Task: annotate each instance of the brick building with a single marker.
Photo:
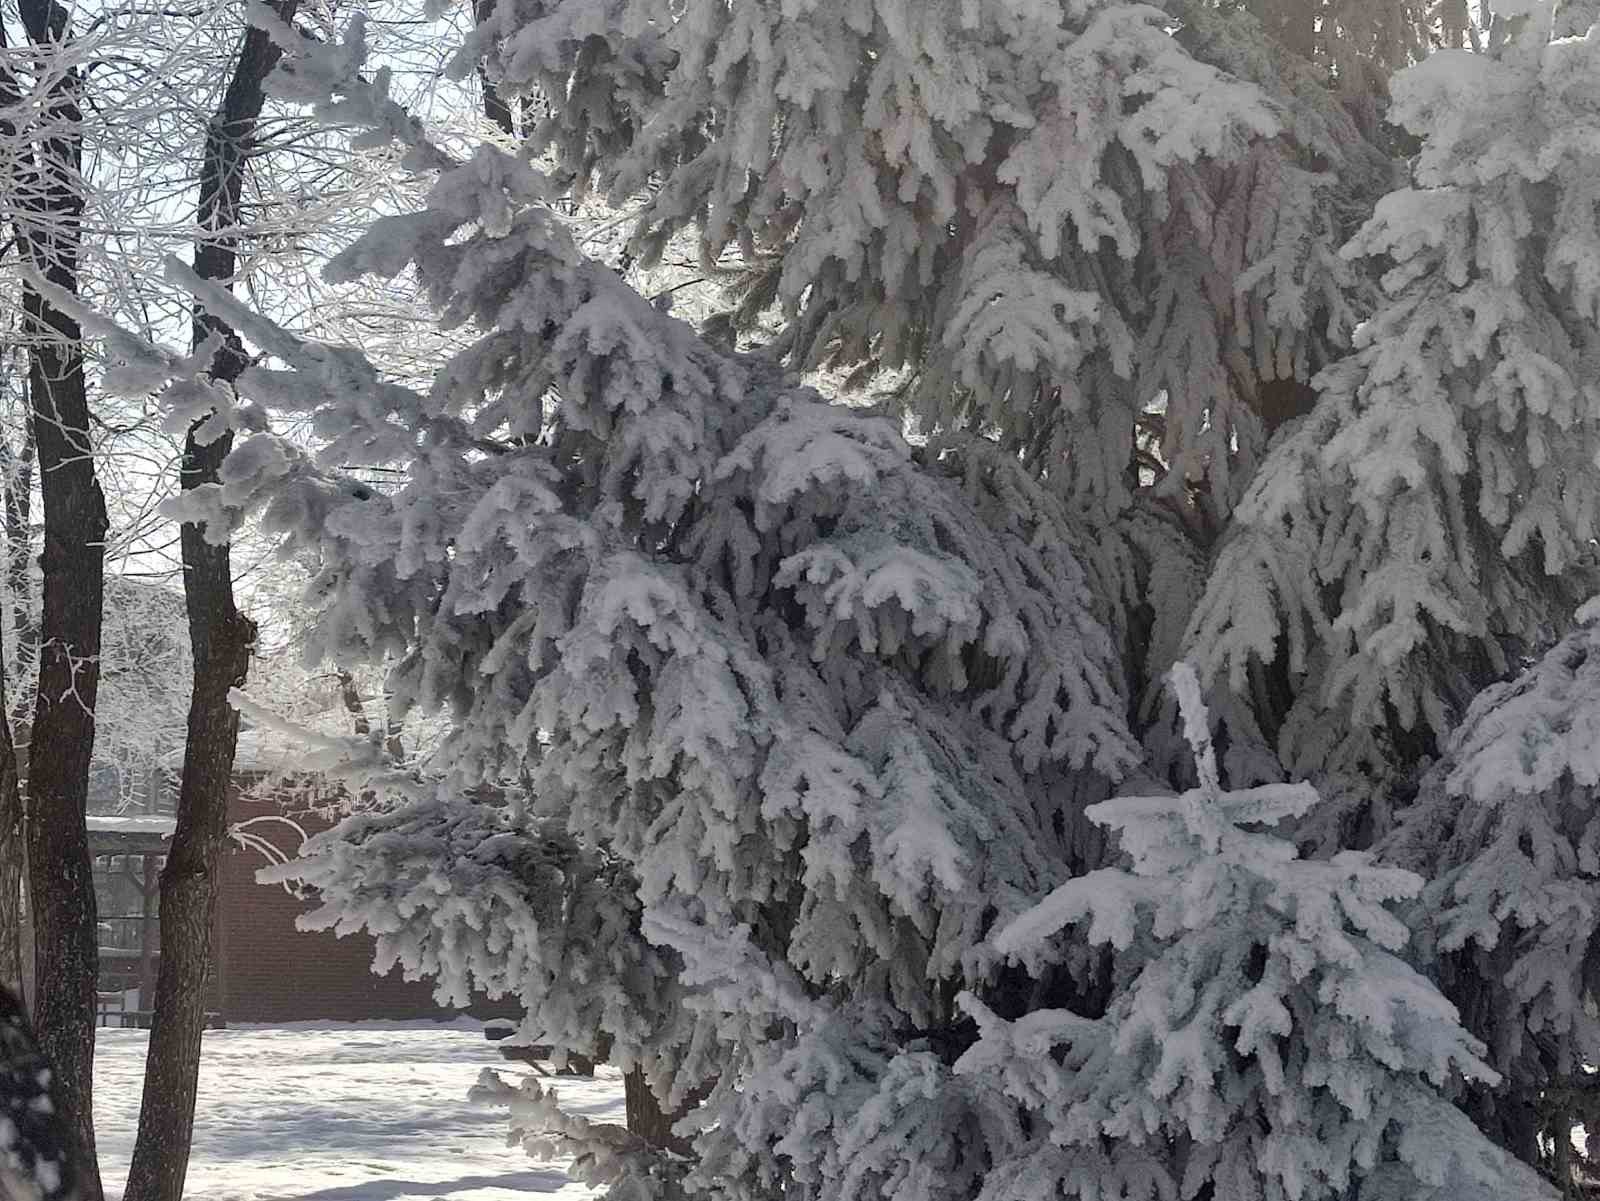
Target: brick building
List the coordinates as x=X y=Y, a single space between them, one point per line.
x=268 y=971
x=265 y=970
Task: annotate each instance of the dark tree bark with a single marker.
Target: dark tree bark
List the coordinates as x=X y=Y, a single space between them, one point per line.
x=357 y=709
x=1280 y=401
x=495 y=106
x=12 y=855
x=645 y=1117
x=66 y=948
x=1292 y=22
x=222 y=639
x=47 y=208
x=16 y=958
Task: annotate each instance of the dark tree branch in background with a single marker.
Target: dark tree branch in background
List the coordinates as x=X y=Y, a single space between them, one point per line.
x=350 y=695
x=222 y=639
x=495 y=106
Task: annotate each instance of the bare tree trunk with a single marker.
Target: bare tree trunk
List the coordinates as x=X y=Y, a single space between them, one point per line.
x=66 y=948
x=1292 y=22
x=47 y=215
x=12 y=841
x=646 y=1117
x=222 y=639
x=16 y=956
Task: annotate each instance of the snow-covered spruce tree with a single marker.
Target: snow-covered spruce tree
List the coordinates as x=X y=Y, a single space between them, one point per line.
x=1433 y=519
x=1103 y=235
x=1264 y=1038
x=1507 y=831
x=835 y=705
x=1429 y=527
x=1048 y=215
x=471 y=894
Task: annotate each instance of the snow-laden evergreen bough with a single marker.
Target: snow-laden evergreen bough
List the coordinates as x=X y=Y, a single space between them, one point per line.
x=1434 y=519
x=1265 y=1038
x=1046 y=213
x=1104 y=235
x=835 y=705
x=798 y=719
x=36 y=1161
x=1507 y=831
x=456 y=890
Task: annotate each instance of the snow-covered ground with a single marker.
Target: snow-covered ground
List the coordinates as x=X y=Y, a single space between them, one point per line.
x=373 y=1111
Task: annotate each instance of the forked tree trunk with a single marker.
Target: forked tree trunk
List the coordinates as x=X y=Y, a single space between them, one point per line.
x=222 y=639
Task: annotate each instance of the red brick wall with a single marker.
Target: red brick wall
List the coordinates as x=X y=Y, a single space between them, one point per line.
x=268 y=971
